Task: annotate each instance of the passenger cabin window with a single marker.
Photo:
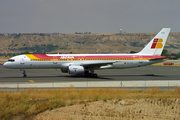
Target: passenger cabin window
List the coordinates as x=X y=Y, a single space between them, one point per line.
x=11 y=60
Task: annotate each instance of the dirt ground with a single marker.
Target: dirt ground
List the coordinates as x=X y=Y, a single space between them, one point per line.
x=127 y=109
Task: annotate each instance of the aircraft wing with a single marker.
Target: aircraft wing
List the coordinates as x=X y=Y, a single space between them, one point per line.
x=98 y=64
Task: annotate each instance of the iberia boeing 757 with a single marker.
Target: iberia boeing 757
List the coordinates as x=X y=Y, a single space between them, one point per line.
x=87 y=63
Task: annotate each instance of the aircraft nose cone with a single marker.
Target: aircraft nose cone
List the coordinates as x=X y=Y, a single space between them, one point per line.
x=5 y=65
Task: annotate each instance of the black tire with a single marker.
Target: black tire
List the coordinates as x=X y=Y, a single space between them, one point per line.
x=24 y=76
x=86 y=73
x=95 y=75
x=90 y=75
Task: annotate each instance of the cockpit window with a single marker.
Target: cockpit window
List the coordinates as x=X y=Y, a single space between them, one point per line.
x=11 y=60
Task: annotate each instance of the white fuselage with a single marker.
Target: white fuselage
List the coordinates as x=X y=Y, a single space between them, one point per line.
x=23 y=62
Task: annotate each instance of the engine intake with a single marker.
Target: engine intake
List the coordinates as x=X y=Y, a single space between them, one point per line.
x=76 y=70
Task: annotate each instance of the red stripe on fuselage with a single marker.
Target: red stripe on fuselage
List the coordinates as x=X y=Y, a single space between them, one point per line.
x=44 y=56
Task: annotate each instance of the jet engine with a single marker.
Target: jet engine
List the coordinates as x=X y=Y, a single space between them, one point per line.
x=76 y=70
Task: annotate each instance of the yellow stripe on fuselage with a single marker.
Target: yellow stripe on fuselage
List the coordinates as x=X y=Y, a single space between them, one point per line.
x=31 y=56
x=141 y=59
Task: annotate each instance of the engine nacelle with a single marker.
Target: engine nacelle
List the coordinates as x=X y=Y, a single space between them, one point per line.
x=76 y=70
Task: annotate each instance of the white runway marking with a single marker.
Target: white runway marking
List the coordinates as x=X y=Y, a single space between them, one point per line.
x=124 y=84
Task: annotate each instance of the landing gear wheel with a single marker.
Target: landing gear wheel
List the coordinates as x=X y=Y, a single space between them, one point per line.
x=24 y=73
x=90 y=75
x=24 y=76
x=95 y=75
x=86 y=74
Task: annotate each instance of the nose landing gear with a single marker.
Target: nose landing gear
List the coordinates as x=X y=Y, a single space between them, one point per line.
x=24 y=73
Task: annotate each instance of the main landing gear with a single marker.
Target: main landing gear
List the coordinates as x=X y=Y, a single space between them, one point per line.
x=92 y=74
x=24 y=73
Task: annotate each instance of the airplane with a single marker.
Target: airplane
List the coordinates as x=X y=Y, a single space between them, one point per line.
x=86 y=63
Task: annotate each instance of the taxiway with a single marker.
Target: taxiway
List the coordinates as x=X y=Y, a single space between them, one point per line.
x=148 y=76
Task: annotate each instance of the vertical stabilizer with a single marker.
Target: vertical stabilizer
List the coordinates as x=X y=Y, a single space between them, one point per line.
x=156 y=45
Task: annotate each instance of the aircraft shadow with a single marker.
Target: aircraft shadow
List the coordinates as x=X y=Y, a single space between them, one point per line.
x=114 y=77
x=149 y=75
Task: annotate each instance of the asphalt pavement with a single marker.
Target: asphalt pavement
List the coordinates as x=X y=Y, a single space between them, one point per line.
x=48 y=78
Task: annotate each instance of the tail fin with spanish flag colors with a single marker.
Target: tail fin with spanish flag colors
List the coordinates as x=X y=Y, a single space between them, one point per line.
x=156 y=45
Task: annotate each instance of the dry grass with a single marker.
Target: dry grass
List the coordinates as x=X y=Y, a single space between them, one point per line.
x=33 y=101
x=5 y=57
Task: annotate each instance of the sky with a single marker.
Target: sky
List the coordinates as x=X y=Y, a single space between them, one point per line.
x=95 y=16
